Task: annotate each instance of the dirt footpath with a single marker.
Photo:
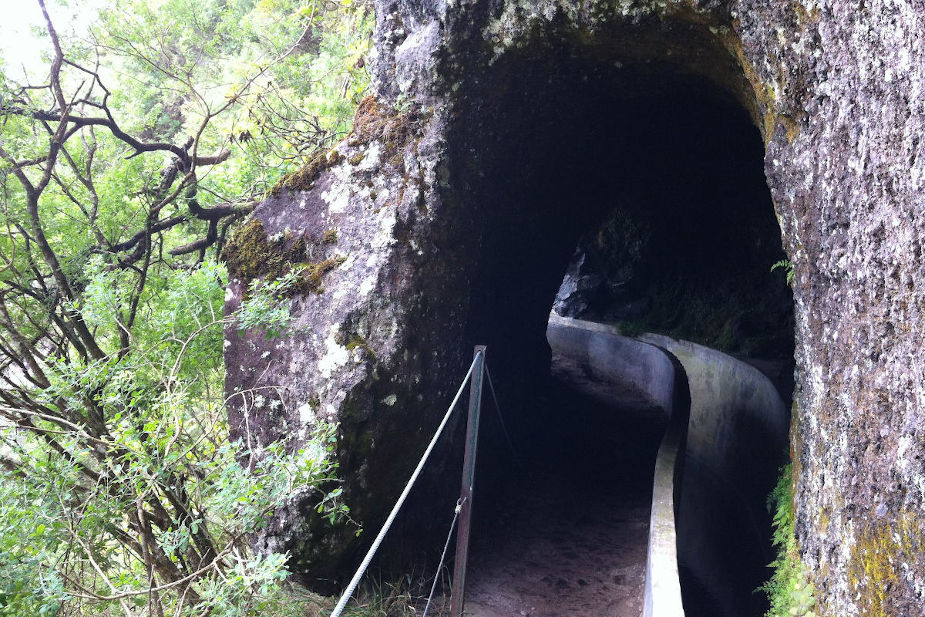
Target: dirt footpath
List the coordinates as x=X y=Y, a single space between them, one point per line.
x=568 y=538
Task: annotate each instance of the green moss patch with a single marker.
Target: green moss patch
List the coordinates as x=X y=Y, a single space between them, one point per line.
x=314 y=272
x=358 y=342
x=881 y=547
x=375 y=122
x=251 y=254
x=304 y=178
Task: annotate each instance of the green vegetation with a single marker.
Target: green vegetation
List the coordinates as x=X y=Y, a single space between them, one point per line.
x=250 y=254
x=126 y=161
x=787 y=267
x=789 y=590
x=303 y=178
x=265 y=305
x=401 y=598
x=254 y=258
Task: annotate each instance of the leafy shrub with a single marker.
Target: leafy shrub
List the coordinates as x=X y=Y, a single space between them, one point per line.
x=787 y=266
x=127 y=481
x=266 y=305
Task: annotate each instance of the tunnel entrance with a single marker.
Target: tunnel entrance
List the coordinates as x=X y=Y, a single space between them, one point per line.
x=642 y=186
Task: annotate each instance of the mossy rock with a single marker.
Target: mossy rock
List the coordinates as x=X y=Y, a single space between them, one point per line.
x=312 y=274
x=358 y=342
x=304 y=178
x=876 y=567
x=250 y=254
x=375 y=122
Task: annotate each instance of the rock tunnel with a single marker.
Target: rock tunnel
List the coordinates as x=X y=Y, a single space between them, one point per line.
x=631 y=157
x=489 y=153
x=648 y=181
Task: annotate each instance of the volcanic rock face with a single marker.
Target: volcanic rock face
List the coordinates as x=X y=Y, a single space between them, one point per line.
x=462 y=193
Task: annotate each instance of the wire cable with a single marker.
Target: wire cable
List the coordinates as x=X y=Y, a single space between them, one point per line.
x=446 y=547
x=507 y=436
x=351 y=587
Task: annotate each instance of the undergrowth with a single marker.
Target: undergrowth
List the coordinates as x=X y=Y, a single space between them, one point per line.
x=789 y=591
x=404 y=597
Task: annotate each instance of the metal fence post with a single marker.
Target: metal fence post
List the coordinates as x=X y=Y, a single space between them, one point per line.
x=468 y=480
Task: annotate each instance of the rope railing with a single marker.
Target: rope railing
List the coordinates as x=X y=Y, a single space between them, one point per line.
x=477 y=361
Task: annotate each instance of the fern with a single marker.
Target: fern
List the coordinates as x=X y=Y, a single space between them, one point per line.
x=788 y=590
x=787 y=265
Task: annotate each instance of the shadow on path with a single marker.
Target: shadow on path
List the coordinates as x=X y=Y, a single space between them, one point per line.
x=566 y=535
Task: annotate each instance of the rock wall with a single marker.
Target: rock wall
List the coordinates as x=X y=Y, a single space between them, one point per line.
x=478 y=112
x=364 y=348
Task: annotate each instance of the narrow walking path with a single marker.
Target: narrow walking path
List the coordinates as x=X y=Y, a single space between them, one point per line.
x=567 y=536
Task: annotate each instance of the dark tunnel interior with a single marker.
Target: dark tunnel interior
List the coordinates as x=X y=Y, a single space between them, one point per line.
x=657 y=176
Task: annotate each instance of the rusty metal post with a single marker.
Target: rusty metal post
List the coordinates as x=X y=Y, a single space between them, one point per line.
x=468 y=481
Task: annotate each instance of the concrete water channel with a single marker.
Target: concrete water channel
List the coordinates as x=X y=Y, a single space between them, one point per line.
x=568 y=527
